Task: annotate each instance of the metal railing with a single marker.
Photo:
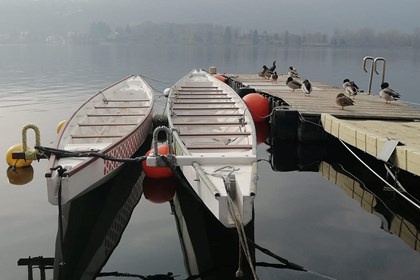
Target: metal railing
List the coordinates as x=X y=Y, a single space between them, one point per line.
x=374 y=68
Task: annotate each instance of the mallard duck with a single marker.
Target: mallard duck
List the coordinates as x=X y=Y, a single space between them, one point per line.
x=293 y=84
x=306 y=87
x=272 y=68
x=350 y=88
x=388 y=94
x=274 y=77
x=262 y=72
x=342 y=100
x=292 y=72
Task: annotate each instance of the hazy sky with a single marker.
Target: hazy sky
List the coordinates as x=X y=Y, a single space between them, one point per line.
x=272 y=15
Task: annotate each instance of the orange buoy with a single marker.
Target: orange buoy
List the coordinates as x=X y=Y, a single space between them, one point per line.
x=257 y=105
x=155 y=171
x=20 y=176
x=159 y=190
x=220 y=78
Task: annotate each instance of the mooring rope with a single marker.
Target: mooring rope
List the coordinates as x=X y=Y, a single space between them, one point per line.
x=382 y=179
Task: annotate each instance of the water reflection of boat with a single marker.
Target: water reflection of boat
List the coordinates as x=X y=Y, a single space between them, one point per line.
x=210 y=250
x=93 y=225
x=339 y=166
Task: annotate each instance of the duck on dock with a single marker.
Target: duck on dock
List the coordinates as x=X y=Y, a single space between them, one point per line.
x=388 y=94
x=262 y=72
x=293 y=84
x=350 y=88
x=274 y=77
x=306 y=87
x=272 y=68
x=342 y=100
x=292 y=72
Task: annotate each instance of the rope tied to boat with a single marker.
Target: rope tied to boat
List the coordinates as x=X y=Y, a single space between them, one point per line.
x=29 y=153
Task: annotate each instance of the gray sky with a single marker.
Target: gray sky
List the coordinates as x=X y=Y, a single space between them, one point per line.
x=296 y=16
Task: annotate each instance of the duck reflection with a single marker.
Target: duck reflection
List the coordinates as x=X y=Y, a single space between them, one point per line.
x=338 y=165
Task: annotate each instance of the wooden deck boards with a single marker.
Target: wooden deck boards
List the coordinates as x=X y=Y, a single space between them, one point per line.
x=322 y=100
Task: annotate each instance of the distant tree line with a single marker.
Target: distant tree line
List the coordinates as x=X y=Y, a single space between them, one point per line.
x=209 y=34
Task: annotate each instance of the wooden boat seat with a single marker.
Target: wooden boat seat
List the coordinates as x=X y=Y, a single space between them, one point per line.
x=120 y=107
x=205 y=108
x=115 y=115
x=220 y=147
x=210 y=123
x=208 y=103
x=107 y=124
x=204 y=98
x=207 y=115
x=95 y=136
x=239 y=133
x=127 y=100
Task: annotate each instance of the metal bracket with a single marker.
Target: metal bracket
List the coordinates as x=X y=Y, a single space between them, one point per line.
x=387 y=150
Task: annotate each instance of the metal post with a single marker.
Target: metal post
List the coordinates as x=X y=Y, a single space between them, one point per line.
x=375 y=62
x=365 y=59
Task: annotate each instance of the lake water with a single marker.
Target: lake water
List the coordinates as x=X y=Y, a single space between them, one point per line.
x=307 y=217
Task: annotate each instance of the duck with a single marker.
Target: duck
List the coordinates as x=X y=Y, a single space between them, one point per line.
x=272 y=68
x=268 y=74
x=350 y=88
x=292 y=72
x=388 y=94
x=274 y=77
x=293 y=84
x=306 y=87
x=262 y=72
x=343 y=100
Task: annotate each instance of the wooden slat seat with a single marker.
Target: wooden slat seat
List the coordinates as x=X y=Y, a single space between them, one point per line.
x=120 y=107
x=205 y=108
x=95 y=136
x=115 y=115
x=210 y=123
x=238 y=133
x=208 y=103
x=127 y=100
x=208 y=115
x=107 y=124
x=220 y=147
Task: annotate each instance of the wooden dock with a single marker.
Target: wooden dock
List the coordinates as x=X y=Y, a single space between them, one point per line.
x=322 y=100
x=367 y=125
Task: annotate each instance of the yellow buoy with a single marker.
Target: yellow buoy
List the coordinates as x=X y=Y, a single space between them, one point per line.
x=20 y=176
x=59 y=126
x=18 y=163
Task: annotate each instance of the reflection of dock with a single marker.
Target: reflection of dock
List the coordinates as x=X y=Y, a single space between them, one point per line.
x=395 y=223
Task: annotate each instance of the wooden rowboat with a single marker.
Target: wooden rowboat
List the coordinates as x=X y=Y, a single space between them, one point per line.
x=214 y=142
x=114 y=123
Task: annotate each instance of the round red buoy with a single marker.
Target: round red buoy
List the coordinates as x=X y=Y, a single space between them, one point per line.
x=159 y=190
x=154 y=171
x=262 y=129
x=220 y=78
x=257 y=105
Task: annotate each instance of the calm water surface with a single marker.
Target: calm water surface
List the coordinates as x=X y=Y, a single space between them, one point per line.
x=302 y=216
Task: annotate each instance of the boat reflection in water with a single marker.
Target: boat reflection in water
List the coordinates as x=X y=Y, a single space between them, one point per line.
x=94 y=223
x=339 y=166
x=210 y=249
